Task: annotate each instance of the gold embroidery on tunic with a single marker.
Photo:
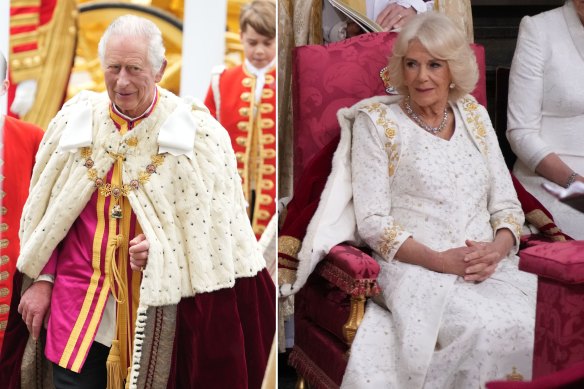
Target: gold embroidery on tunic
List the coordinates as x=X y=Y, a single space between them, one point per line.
x=510 y=222
x=477 y=126
x=390 y=129
x=389 y=239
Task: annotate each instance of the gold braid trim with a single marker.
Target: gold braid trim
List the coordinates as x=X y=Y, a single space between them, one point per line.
x=57 y=52
x=286 y=276
x=289 y=245
x=539 y=219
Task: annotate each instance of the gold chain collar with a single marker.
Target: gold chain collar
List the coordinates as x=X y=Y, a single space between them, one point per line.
x=117 y=191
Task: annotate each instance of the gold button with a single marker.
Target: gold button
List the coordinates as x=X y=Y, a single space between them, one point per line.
x=4 y=275
x=269 y=153
x=267 y=185
x=240 y=140
x=242 y=126
x=244 y=112
x=267 y=94
x=16 y=63
x=269 y=79
x=266 y=108
x=4 y=260
x=245 y=96
x=259 y=229
x=267 y=123
x=4 y=243
x=268 y=139
x=2 y=194
x=4 y=211
x=262 y=214
x=265 y=199
x=268 y=169
x=3 y=227
x=4 y=308
x=4 y=292
x=3 y=325
x=246 y=82
x=239 y=156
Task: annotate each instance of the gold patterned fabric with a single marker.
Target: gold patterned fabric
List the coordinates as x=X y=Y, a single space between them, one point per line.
x=42 y=47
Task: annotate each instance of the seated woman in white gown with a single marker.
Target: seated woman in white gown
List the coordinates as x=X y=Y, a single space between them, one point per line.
x=428 y=191
x=546 y=108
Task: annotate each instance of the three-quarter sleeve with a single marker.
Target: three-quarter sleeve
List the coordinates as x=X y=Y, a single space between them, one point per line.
x=503 y=204
x=371 y=169
x=526 y=88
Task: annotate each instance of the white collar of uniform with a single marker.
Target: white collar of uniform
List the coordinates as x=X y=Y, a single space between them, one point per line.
x=255 y=71
x=260 y=75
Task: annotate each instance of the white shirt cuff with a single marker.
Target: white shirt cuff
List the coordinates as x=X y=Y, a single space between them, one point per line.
x=46 y=277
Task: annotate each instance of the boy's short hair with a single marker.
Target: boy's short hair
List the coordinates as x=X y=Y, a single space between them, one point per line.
x=261 y=16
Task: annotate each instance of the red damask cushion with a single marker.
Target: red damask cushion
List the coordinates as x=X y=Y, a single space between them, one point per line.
x=351 y=270
x=561 y=261
x=329 y=77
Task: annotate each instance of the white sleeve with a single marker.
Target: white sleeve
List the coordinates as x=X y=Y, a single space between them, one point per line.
x=371 y=190
x=524 y=111
x=334 y=23
x=419 y=5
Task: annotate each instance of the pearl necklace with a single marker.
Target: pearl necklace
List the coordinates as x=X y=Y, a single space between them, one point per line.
x=420 y=122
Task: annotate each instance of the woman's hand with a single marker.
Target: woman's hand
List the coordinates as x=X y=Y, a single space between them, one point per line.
x=475 y=262
x=482 y=261
x=452 y=261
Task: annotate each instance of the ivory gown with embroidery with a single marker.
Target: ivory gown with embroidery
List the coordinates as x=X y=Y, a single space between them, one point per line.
x=442 y=332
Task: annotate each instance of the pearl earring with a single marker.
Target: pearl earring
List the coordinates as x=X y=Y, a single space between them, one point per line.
x=452 y=85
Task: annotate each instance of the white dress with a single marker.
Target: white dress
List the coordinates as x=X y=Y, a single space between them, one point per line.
x=439 y=331
x=546 y=104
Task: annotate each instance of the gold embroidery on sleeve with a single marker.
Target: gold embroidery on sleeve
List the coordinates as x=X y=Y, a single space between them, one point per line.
x=389 y=239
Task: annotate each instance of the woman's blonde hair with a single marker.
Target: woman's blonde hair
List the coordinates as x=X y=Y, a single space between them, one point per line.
x=444 y=41
x=261 y=16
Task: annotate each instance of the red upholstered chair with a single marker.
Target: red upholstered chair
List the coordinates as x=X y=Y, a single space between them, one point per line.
x=330 y=306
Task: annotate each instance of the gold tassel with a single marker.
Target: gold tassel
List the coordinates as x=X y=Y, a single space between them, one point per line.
x=115 y=380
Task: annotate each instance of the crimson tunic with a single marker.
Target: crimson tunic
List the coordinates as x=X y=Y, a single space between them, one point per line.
x=20 y=143
x=251 y=125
